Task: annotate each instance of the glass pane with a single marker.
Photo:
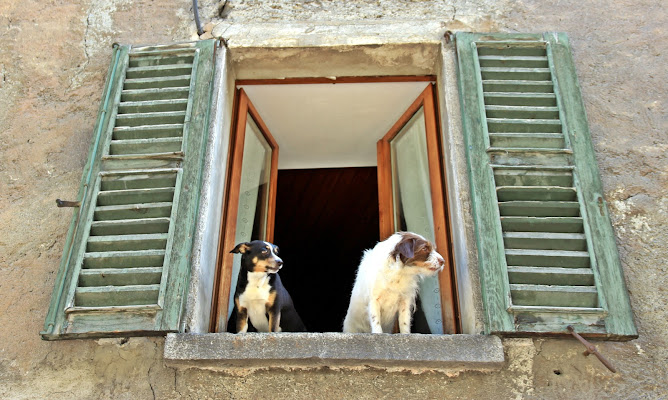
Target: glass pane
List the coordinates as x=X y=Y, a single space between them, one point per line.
x=411 y=192
x=253 y=194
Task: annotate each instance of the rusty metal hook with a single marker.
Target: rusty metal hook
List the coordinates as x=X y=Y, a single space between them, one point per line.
x=591 y=349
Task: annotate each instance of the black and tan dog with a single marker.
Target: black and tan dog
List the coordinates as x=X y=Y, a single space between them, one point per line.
x=260 y=295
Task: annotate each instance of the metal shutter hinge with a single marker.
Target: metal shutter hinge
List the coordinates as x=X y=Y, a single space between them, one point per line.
x=65 y=203
x=591 y=349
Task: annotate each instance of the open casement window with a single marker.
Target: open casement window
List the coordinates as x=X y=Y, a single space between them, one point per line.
x=411 y=191
x=126 y=261
x=250 y=202
x=546 y=247
x=411 y=195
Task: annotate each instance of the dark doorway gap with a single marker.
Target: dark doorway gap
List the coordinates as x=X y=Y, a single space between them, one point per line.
x=325 y=219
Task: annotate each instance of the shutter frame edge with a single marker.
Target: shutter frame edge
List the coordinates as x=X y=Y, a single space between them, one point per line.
x=55 y=318
x=619 y=321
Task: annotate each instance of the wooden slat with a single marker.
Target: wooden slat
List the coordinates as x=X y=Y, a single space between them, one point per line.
x=551 y=276
x=155 y=94
x=559 y=310
x=536 y=193
x=145 y=61
x=542 y=224
x=146 y=132
x=545 y=240
x=517 y=86
x=524 y=125
x=151 y=83
x=540 y=208
x=516 y=49
x=135 y=196
x=547 y=258
x=520 y=99
x=124 y=259
x=559 y=296
x=156 y=51
x=117 y=295
x=151 y=118
x=504 y=61
x=154 y=71
x=527 y=140
x=152 y=105
x=138 y=179
x=524 y=74
x=536 y=168
x=145 y=146
x=130 y=227
x=154 y=241
x=532 y=177
x=522 y=112
x=526 y=157
x=120 y=276
x=133 y=211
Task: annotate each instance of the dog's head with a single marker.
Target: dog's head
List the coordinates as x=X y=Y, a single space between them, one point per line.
x=417 y=252
x=259 y=256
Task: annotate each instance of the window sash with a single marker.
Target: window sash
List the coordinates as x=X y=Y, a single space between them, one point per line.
x=225 y=279
x=386 y=197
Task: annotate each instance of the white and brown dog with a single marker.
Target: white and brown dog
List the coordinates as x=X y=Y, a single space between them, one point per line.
x=387 y=283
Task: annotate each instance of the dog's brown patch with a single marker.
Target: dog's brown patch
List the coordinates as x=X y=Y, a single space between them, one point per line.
x=412 y=248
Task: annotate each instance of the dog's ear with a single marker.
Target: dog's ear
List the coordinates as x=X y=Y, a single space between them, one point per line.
x=241 y=248
x=405 y=249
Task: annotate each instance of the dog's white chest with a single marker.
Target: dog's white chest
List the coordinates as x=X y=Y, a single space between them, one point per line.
x=255 y=298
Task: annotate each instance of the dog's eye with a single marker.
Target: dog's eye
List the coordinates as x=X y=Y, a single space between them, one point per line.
x=265 y=251
x=276 y=250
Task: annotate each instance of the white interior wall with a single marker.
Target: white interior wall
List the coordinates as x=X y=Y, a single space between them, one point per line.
x=331 y=125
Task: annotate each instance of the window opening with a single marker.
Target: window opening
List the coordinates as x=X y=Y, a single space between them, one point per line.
x=328 y=214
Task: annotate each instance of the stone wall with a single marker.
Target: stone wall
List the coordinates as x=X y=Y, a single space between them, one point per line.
x=53 y=57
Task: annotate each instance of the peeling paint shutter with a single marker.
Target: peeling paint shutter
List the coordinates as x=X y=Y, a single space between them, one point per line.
x=547 y=252
x=126 y=265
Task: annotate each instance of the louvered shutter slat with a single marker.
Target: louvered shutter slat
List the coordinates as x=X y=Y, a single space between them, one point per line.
x=157 y=83
x=117 y=296
x=120 y=276
x=149 y=241
x=132 y=256
x=160 y=130
x=538 y=257
x=169 y=93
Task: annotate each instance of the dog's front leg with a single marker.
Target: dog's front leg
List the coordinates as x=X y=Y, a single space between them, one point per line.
x=274 y=321
x=274 y=312
x=242 y=317
x=374 y=316
x=404 y=315
x=242 y=320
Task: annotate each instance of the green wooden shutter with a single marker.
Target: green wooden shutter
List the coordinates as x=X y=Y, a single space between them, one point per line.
x=546 y=247
x=126 y=263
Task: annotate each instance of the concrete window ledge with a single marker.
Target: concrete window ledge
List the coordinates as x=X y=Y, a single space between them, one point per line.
x=345 y=350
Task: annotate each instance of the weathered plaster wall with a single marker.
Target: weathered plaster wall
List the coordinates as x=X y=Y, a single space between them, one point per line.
x=53 y=57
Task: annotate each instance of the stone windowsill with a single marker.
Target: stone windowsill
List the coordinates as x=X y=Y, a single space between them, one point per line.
x=313 y=350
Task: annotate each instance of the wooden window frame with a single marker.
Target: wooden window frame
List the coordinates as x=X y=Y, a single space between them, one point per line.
x=428 y=99
x=447 y=277
x=223 y=273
